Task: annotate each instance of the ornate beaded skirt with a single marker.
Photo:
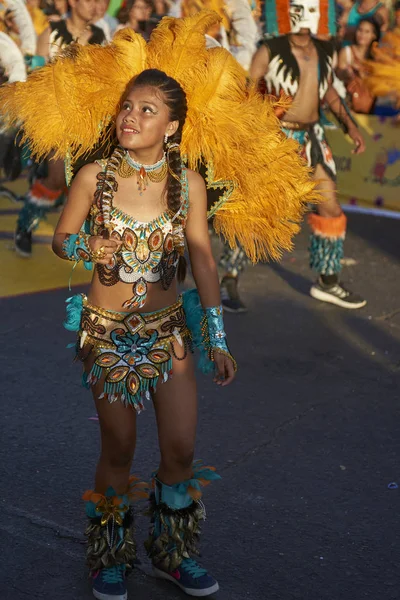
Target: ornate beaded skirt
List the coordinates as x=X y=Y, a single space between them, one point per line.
x=131 y=351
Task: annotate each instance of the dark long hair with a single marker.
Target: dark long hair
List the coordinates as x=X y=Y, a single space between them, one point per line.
x=175 y=99
x=377 y=30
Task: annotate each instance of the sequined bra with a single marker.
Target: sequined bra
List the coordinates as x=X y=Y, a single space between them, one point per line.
x=149 y=251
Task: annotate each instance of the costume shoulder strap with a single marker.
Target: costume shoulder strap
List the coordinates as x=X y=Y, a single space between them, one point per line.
x=102 y=162
x=277 y=46
x=98 y=36
x=60 y=29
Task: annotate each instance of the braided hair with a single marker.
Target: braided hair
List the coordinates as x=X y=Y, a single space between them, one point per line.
x=175 y=99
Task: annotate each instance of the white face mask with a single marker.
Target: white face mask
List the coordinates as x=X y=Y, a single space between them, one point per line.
x=304 y=14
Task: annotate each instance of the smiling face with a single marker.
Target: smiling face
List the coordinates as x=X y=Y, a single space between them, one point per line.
x=365 y=34
x=144 y=120
x=304 y=14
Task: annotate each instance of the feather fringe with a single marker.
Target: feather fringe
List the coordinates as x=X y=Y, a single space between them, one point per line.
x=229 y=125
x=384 y=71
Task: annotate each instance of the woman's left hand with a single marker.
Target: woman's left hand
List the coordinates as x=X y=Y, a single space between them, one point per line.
x=224 y=369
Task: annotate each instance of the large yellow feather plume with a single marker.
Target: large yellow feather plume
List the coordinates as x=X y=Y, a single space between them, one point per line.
x=384 y=71
x=229 y=126
x=185 y=41
x=65 y=105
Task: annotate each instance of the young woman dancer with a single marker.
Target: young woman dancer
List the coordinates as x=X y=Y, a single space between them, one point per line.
x=142 y=206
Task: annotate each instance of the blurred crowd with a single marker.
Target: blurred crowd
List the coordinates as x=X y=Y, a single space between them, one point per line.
x=361 y=26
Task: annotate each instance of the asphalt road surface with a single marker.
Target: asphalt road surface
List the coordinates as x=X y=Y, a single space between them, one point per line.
x=306 y=439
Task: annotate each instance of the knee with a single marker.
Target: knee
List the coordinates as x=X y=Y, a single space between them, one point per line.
x=178 y=457
x=118 y=451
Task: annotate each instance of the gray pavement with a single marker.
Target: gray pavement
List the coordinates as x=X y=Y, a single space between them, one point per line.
x=306 y=440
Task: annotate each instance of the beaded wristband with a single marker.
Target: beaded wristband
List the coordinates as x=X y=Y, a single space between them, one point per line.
x=215 y=335
x=76 y=247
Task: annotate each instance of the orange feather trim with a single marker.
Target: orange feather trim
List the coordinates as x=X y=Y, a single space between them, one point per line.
x=41 y=191
x=333 y=227
x=95 y=497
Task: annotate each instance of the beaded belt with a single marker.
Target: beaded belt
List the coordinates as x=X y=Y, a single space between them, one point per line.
x=132 y=350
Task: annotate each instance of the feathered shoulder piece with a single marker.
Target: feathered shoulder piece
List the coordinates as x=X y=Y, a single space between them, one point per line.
x=384 y=71
x=70 y=106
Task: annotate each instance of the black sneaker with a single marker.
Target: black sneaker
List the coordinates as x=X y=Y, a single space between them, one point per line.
x=336 y=294
x=23 y=242
x=230 y=298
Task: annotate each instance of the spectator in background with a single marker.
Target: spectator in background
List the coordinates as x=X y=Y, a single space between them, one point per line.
x=39 y=18
x=136 y=15
x=350 y=64
x=365 y=9
x=343 y=8
x=10 y=26
x=105 y=21
x=56 y=10
x=160 y=8
x=396 y=24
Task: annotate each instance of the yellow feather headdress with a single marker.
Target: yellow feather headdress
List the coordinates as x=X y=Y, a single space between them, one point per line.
x=68 y=107
x=384 y=71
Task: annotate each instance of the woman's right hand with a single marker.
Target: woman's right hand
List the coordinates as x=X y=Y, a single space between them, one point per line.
x=103 y=250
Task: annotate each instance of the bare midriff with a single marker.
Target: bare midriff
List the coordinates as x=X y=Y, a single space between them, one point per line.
x=113 y=297
x=305 y=106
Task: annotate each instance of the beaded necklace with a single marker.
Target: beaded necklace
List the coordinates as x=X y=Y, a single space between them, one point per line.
x=144 y=173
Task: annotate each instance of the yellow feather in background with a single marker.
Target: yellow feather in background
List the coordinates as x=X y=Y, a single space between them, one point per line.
x=230 y=126
x=383 y=76
x=186 y=44
x=65 y=105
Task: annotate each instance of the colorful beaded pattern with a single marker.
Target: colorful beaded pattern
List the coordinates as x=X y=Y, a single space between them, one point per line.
x=149 y=251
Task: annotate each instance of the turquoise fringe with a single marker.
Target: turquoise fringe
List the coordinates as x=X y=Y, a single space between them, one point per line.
x=326 y=254
x=118 y=391
x=194 y=315
x=176 y=496
x=199 y=472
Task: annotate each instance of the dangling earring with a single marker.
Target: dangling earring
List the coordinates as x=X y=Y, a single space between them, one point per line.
x=165 y=138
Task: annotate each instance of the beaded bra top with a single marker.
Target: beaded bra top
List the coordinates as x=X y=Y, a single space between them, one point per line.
x=149 y=251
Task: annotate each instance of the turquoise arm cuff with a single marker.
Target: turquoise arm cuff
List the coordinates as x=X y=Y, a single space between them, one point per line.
x=76 y=247
x=207 y=330
x=216 y=333
x=215 y=325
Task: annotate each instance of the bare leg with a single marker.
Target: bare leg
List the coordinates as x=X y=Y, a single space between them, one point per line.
x=328 y=226
x=175 y=403
x=55 y=179
x=41 y=197
x=118 y=441
x=330 y=207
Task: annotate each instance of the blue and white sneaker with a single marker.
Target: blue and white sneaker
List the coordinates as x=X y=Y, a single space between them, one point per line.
x=109 y=584
x=191 y=578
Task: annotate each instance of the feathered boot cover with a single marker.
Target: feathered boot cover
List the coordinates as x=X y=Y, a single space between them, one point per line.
x=110 y=530
x=326 y=243
x=176 y=512
x=38 y=202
